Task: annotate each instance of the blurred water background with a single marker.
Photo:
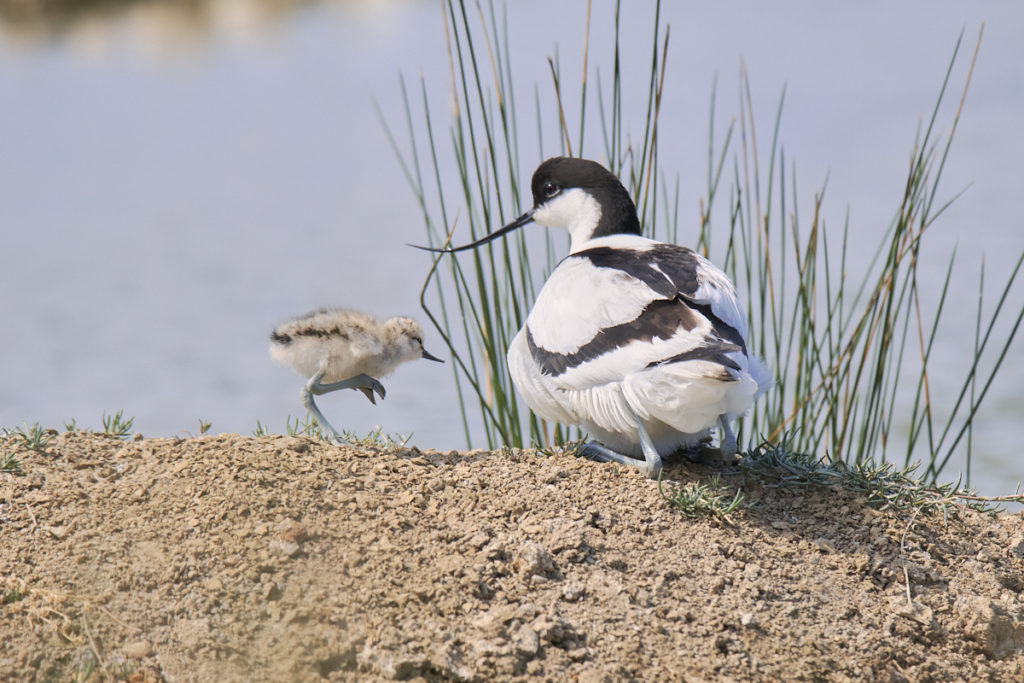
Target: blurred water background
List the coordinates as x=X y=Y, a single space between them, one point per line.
x=177 y=177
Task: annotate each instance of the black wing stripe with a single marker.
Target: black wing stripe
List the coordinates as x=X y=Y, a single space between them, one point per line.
x=714 y=354
x=660 y=319
x=721 y=328
x=668 y=269
x=283 y=338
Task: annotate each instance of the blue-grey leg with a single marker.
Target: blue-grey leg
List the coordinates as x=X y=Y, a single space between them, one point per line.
x=727 y=442
x=363 y=383
x=650 y=465
x=307 y=400
x=314 y=386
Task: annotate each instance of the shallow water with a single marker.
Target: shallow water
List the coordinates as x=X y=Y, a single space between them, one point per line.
x=174 y=184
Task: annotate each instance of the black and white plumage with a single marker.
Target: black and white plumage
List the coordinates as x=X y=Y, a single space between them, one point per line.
x=640 y=343
x=345 y=349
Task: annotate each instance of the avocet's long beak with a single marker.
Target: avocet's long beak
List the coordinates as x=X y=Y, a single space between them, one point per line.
x=517 y=223
x=430 y=356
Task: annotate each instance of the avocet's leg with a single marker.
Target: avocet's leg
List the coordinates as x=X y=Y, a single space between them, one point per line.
x=314 y=387
x=650 y=465
x=727 y=442
x=307 y=400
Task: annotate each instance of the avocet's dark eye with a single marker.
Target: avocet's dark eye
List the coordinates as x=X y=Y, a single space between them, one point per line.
x=550 y=190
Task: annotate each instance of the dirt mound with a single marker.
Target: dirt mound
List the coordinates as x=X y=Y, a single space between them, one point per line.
x=282 y=558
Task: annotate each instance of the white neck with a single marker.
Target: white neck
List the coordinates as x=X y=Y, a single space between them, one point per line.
x=574 y=210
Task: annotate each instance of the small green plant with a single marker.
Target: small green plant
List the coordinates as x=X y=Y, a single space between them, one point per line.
x=71 y=426
x=9 y=463
x=260 y=430
x=696 y=499
x=121 y=669
x=32 y=438
x=12 y=595
x=86 y=664
x=116 y=427
x=309 y=427
x=569 y=448
x=376 y=439
x=884 y=486
x=204 y=426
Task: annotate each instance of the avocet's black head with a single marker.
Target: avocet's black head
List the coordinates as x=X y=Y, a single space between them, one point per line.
x=583 y=197
x=578 y=195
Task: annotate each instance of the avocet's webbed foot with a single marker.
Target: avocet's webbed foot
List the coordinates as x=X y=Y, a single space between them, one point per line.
x=650 y=465
x=368 y=391
x=363 y=383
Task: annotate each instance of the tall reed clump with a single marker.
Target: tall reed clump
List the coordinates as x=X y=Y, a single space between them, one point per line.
x=846 y=350
x=851 y=355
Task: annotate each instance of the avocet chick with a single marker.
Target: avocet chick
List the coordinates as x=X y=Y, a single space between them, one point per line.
x=339 y=348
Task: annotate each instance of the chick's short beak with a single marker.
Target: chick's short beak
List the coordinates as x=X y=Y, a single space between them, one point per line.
x=430 y=356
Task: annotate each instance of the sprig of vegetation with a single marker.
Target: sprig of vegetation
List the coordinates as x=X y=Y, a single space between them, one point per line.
x=204 y=426
x=13 y=590
x=116 y=426
x=85 y=665
x=260 y=430
x=569 y=448
x=697 y=499
x=884 y=486
x=308 y=427
x=376 y=438
x=9 y=463
x=30 y=438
